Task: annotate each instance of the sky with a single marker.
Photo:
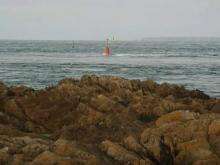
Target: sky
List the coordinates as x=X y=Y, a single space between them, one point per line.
x=98 y=19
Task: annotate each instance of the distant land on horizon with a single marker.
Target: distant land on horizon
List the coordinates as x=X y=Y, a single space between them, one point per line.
x=140 y=39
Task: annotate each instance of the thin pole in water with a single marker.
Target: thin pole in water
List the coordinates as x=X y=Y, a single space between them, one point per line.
x=73 y=46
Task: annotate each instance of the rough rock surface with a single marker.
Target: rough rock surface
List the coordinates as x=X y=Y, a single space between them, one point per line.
x=108 y=120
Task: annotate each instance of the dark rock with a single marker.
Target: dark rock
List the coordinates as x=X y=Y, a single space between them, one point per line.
x=108 y=120
x=216 y=108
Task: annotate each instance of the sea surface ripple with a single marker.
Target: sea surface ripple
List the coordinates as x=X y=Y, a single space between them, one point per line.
x=192 y=62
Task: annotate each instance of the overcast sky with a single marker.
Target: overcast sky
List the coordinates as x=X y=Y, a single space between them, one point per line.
x=98 y=19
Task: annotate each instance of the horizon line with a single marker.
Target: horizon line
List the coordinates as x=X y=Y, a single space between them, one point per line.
x=144 y=38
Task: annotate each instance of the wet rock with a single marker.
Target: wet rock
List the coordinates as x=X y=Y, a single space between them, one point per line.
x=108 y=120
x=151 y=140
x=216 y=108
x=49 y=158
x=3 y=90
x=215 y=145
x=67 y=148
x=188 y=139
x=88 y=116
x=194 y=145
x=69 y=92
x=108 y=83
x=19 y=91
x=200 y=155
x=149 y=86
x=132 y=144
x=214 y=161
x=4 y=156
x=198 y=149
x=30 y=126
x=176 y=116
x=198 y=94
x=64 y=148
x=12 y=108
x=142 y=162
x=18 y=159
x=117 y=152
x=103 y=103
x=214 y=136
x=32 y=150
x=166 y=155
x=214 y=128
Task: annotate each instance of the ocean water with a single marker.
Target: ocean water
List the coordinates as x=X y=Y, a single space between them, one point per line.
x=192 y=62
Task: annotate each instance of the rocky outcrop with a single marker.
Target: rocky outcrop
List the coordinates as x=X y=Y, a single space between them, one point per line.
x=176 y=116
x=216 y=108
x=3 y=90
x=187 y=141
x=108 y=120
x=117 y=152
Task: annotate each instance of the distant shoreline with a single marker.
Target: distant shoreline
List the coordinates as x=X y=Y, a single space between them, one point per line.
x=141 y=39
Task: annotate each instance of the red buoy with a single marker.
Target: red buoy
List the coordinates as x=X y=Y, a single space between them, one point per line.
x=106 y=51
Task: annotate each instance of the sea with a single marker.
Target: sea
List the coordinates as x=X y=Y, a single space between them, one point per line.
x=192 y=62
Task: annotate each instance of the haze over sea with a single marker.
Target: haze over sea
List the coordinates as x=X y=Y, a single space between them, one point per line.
x=192 y=62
